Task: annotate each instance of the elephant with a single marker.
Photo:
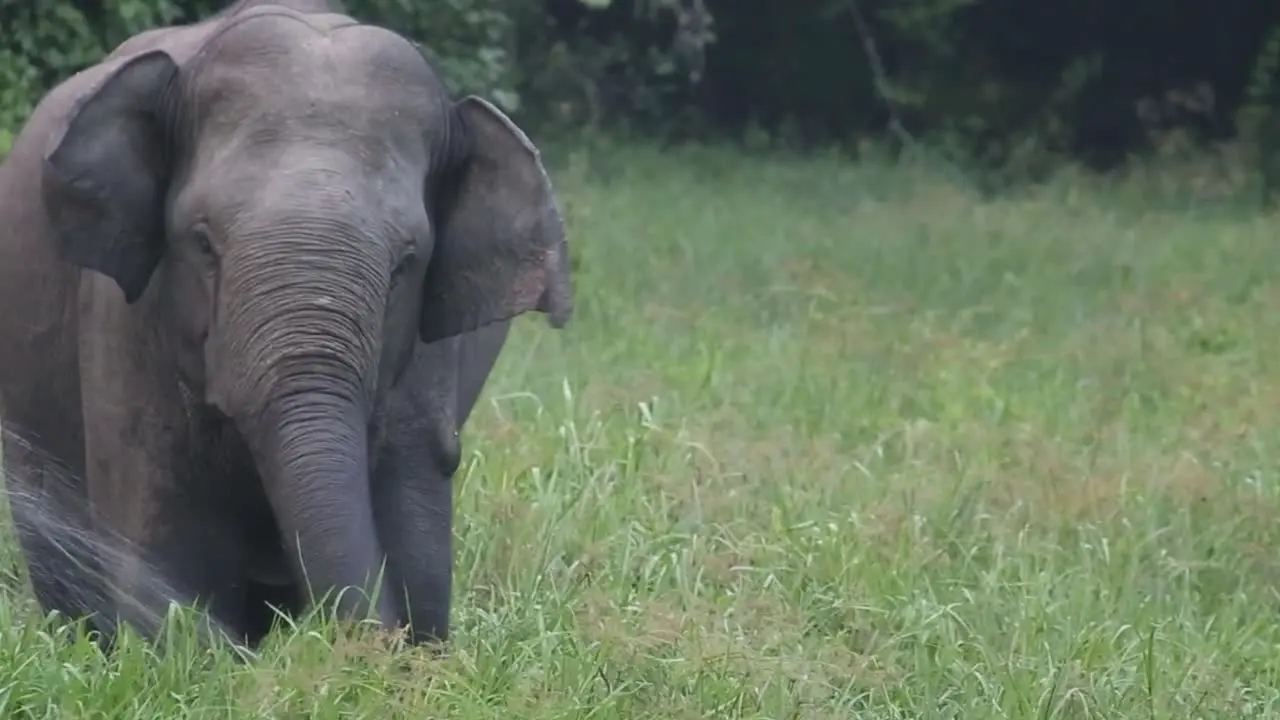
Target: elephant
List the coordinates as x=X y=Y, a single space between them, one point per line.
x=254 y=274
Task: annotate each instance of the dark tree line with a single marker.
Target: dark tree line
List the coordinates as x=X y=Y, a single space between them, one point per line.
x=1095 y=80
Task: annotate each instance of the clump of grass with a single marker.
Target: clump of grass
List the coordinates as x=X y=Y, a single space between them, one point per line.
x=827 y=440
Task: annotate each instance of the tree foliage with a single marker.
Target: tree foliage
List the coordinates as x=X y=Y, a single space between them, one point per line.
x=993 y=78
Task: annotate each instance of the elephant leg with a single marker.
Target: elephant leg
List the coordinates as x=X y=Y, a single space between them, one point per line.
x=167 y=532
x=190 y=563
x=177 y=553
x=165 y=481
x=413 y=490
x=415 y=512
x=413 y=505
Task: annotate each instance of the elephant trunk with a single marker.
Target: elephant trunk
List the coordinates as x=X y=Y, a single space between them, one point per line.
x=294 y=363
x=313 y=455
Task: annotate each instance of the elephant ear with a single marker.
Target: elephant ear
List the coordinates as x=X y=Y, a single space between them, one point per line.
x=500 y=249
x=106 y=173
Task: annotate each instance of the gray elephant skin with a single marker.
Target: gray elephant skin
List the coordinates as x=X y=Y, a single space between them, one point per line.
x=254 y=273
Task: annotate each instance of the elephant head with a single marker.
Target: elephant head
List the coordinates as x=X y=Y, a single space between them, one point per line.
x=295 y=203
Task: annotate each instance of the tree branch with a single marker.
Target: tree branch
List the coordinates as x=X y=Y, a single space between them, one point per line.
x=880 y=78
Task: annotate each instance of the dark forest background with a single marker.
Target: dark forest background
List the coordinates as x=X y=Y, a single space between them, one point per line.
x=1009 y=86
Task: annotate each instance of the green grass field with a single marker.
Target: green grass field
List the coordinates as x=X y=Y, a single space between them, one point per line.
x=828 y=440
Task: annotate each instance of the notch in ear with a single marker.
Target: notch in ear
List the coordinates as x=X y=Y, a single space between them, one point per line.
x=106 y=173
x=500 y=248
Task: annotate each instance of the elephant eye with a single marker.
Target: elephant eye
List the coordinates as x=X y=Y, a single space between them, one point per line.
x=404 y=265
x=200 y=236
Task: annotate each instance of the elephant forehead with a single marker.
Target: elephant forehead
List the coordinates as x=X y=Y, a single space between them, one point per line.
x=318 y=70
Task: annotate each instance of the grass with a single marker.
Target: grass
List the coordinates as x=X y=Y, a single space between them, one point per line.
x=828 y=440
